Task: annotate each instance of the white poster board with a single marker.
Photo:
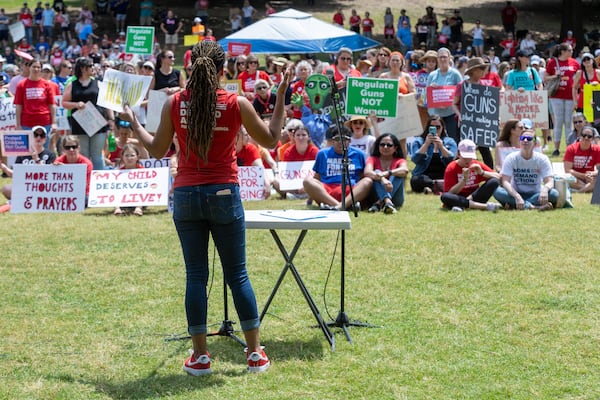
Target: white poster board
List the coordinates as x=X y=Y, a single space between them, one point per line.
x=292 y=174
x=119 y=88
x=532 y=104
x=129 y=187
x=48 y=188
x=90 y=119
x=407 y=122
x=62 y=121
x=8 y=114
x=17 y=31
x=252 y=183
x=156 y=100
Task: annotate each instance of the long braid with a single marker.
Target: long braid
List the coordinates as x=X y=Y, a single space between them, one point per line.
x=207 y=61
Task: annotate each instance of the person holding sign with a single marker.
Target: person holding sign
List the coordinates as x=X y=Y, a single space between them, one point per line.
x=582 y=160
x=588 y=74
x=527 y=180
x=72 y=155
x=431 y=153
x=206 y=120
x=463 y=178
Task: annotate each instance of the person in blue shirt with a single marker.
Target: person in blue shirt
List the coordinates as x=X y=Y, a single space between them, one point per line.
x=325 y=187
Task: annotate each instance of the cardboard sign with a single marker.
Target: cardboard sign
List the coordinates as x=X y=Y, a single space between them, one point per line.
x=235 y=49
x=367 y=95
x=407 y=122
x=440 y=96
x=16 y=143
x=48 y=188
x=156 y=101
x=232 y=85
x=8 y=114
x=90 y=119
x=129 y=187
x=252 y=183
x=292 y=174
x=531 y=104
x=140 y=40
x=479 y=113
x=119 y=88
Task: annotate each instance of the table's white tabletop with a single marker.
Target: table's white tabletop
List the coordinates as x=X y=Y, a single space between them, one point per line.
x=297 y=219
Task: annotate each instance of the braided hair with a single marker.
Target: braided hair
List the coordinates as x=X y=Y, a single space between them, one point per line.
x=208 y=59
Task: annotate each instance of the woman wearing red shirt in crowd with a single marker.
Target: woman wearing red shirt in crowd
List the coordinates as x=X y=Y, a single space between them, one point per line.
x=509 y=45
x=250 y=75
x=338 y=17
x=562 y=101
x=26 y=17
x=71 y=155
x=343 y=68
x=367 y=25
x=588 y=73
x=207 y=120
x=354 y=22
x=582 y=160
x=303 y=71
x=34 y=101
x=301 y=149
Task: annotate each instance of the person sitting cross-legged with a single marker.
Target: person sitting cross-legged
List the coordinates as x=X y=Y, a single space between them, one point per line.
x=463 y=178
x=325 y=186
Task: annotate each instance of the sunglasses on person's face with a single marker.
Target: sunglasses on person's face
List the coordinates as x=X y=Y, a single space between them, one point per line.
x=170 y=57
x=261 y=88
x=346 y=58
x=387 y=145
x=252 y=62
x=578 y=122
x=40 y=135
x=358 y=122
x=586 y=136
x=526 y=138
x=241 y=64
x=70 y=147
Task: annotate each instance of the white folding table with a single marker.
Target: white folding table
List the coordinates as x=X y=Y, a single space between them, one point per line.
x=303 y=220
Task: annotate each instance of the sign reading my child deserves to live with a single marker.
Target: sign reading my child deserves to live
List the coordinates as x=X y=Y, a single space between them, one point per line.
x=129 y=187
x=367 y=95
x=480 y=112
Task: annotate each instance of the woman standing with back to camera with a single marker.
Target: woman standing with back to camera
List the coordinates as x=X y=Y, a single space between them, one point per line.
x=207 y=201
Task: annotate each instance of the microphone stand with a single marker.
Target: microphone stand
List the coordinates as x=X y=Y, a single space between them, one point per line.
x=342 y=320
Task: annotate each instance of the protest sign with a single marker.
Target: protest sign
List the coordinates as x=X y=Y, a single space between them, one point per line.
x=531 y=104
x=62 y=120
x=292 y=174
x=190 y=40
x=140 y=40
x=235 y=49
x=479 y=114
x=440 y=96
x=8 y=114
x=129 y=187
x=17 y=31
x=156 y=100
x=252 y=183
x=16 y=143
x=119 y=88
x=407 y=122
x=48 y=188
x=156 y=163
x=367 y=95
x=89 y=118
x=590 y=101
x=232 y=85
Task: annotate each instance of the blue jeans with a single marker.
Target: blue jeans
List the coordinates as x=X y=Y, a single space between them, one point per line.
x=198 y=213
x=92 y=147
x=397 y=193
x=531 y=199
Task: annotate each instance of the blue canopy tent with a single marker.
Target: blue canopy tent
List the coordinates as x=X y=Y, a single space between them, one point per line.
x=294 y=32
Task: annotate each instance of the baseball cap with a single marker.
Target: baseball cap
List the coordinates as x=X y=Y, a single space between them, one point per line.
x=527 y=123
x=467 y=148
x=148 y=64
x=47 y=67
x=535 y=60
x=196 y=20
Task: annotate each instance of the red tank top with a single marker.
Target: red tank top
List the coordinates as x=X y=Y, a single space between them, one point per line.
x=221 y=166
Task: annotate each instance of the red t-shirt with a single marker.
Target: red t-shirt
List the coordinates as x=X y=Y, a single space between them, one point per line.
x=453 y=175
x=291 y=153
x=568 y=69
x=34 y=97
x=80 y=160
x=367 y=25
x=221 y=166
x=338 y=18
x=338 y=76
x=249 y=80
x=247 y=155
x=354 y=20
x=510 y=45
x=375 y=162
x=583 y=160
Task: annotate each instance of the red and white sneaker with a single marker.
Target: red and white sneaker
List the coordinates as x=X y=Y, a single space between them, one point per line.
x=197 y=366
x=257 y=361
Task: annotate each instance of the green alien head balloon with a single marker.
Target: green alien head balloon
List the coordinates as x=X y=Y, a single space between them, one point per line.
x=318 y=88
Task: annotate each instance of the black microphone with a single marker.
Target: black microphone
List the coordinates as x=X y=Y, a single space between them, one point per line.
x=331 y=75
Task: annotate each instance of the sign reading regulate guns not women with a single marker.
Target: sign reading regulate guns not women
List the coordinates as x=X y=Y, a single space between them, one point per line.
x=370 y=95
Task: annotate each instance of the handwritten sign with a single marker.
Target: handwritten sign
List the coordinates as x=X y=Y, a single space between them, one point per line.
x=232 y=85
x=407 y=122
x=252 y=183
x=140 y=40
x=367 y=95
x=156 y=100
x=90 y=119
x=8 y=114
x=531 y=104
x=16 y=143
x=129 y=187
x=479 y=114
x=440 y=96
x=48 y=188
x=156 y=163
x=119 y=88
x=292 y=174
x=235 y=49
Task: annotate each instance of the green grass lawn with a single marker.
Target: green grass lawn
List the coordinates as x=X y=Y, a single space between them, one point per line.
x=469 y=305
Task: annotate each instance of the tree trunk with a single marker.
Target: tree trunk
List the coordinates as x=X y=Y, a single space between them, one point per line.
x=571 y=21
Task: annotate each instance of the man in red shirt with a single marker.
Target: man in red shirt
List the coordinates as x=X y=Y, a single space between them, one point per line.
x=509 y=17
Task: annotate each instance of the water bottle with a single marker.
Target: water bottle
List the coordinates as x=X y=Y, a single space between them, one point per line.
x=112 y=143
